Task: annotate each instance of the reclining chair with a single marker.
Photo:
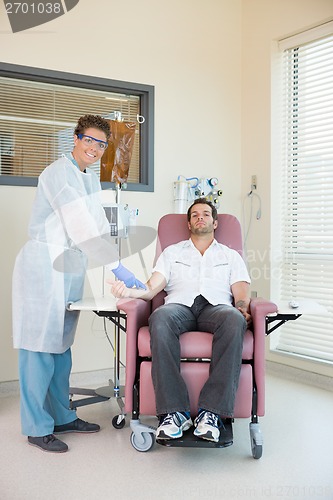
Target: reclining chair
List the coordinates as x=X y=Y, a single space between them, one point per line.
x=196 y=350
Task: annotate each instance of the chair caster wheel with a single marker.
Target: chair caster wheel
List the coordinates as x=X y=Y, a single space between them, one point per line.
x=256 y=440
x=143 y=441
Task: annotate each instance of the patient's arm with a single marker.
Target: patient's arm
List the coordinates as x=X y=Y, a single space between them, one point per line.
x=241 y=293
x=154 y=285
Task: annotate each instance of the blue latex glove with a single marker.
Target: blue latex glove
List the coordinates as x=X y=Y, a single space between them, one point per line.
x=127 y=277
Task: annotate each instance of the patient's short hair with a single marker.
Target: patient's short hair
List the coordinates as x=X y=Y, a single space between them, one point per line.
x=202 y=201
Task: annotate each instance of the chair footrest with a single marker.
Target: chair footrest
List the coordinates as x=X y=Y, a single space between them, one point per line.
x=189 y=440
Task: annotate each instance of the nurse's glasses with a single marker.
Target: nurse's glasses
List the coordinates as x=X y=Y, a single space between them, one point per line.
x=91 y=141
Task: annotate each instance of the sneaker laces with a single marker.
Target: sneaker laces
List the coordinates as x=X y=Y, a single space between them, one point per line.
x=211 y=419
x=165 y=419
x=169 y=419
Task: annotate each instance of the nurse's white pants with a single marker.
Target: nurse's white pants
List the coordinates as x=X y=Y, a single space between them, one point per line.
x=44 y=388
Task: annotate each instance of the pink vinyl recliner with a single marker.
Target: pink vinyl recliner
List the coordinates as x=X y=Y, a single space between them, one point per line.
x=195 y=352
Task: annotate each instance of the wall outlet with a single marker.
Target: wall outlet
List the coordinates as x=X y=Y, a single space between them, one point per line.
x=253 y=182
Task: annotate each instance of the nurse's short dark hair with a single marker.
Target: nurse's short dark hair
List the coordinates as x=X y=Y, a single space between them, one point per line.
x=92 y=121
x=202 y=201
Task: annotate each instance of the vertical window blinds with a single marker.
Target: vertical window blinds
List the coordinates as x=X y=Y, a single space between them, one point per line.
x=306 y=264
x=37 y=121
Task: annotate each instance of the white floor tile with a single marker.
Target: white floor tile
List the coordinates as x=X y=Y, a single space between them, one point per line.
x=297 y=460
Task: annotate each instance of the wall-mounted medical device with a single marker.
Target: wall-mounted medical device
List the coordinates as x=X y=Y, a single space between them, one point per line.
x=186 y=190
x=118 y=217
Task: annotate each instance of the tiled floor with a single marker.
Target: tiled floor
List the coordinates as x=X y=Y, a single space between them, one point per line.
x=297 y=460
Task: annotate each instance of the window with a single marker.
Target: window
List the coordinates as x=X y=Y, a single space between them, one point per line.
x=39 y=110
x=302 y=266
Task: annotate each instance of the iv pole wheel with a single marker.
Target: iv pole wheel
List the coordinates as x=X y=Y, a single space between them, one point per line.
x=118 y=421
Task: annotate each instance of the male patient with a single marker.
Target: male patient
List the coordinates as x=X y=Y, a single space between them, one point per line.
x=207 y=286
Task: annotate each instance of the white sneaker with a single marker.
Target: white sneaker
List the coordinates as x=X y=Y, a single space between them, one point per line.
x=172 y=425
x=207 y=426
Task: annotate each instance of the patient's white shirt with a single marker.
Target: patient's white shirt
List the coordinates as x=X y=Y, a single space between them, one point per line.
x=189 y=274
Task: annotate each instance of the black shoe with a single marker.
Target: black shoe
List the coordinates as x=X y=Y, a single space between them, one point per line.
x=77 y=425
x=48 y=443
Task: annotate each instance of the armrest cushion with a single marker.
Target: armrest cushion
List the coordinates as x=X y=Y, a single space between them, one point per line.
x=259 y=308
x=137 y=312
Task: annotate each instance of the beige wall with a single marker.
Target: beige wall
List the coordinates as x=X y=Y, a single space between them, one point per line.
x=191 y=52
x=210 y=65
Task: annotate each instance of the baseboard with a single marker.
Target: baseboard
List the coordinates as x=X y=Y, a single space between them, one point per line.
x=10 y=388
x=102 y=377
x=298 y=375
x=92 y=379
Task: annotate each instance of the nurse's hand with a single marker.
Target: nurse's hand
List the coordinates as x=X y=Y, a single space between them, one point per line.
x=119 y=289
x=127 y=277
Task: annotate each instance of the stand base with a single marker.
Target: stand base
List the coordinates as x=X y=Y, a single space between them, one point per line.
x=91 y=397
x=189 y=440
x=109 y=391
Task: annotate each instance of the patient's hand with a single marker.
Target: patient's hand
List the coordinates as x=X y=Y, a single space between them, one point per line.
x=246 y=315
x=119 y=289
x=243 y=306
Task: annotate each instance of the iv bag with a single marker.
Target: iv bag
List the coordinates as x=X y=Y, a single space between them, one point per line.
x=116 y=160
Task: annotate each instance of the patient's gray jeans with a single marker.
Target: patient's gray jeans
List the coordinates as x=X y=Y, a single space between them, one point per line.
x=228 y=326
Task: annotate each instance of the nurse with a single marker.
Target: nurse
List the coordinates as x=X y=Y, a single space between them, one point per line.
x=68 y=226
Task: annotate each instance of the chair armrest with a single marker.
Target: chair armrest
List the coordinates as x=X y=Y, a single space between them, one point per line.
x=137 y=312
x=259 y=309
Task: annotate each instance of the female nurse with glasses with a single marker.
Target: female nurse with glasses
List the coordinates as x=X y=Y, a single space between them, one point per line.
x=68 y=226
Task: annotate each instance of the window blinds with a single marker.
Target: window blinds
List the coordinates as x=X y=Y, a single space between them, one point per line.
x=306 y=264
x=37 y=121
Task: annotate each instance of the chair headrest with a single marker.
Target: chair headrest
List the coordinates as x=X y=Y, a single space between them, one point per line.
x=173 y=228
